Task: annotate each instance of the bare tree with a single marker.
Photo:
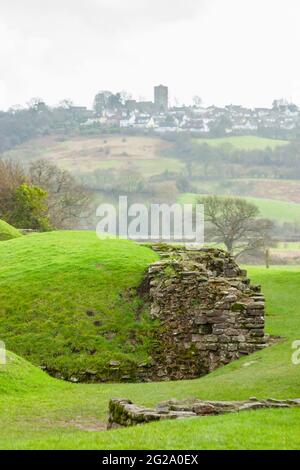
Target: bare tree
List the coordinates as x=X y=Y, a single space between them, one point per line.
x=68 y=200
x=11 y=177
x=236 y=223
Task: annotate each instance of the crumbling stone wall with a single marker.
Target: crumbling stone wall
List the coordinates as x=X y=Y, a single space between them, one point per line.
x=209 y=314
x=123 y=412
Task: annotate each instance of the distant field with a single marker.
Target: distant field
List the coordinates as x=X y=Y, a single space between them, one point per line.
x=287 y=246
x=283 y=211
x=85 y=153
x=281 y=190
x=271 y=209
x=278 y=190
x=245 y=142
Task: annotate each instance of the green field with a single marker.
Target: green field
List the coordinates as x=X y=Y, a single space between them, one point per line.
x=37 y=411
x=271 y=209
x=245 y=142
x=287 y=246
x=67 y=302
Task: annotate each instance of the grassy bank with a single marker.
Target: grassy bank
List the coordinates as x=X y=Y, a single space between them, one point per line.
x=68 y=303
x=37 y=411
x=7 y=232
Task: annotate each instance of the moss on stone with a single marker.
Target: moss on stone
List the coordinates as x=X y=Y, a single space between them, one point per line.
x=238 y=307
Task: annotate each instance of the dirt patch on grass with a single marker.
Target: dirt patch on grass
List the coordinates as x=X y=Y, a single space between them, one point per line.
x=79 y=422
x=86 y=424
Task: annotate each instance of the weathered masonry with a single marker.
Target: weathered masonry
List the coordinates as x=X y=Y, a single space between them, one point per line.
x=208 y=313
x=123 y=412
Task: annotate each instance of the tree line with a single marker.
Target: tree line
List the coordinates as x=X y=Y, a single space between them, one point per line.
x=224 y=161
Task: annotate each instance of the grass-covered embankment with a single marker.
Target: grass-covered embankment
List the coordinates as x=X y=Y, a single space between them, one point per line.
x=37 y=411
x=68 y=303
x=7 y=232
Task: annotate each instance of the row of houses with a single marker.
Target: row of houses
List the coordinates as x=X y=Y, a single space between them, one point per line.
x=230 y=119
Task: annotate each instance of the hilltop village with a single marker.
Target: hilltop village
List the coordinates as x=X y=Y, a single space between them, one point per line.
x=115 y=111
x=118 y=113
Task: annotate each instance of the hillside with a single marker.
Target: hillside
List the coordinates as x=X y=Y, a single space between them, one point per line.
x=40 y=412
x=7 y=232
x=18 y=376
x=90 y=157
x=82 y=154
x=68 y=303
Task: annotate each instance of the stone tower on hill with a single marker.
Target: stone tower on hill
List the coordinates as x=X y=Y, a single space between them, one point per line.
x=161 y=97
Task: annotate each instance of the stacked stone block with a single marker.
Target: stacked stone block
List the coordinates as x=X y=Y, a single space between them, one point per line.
x=208 y=313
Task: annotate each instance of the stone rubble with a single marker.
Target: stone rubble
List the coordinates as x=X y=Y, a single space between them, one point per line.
x=123 y=412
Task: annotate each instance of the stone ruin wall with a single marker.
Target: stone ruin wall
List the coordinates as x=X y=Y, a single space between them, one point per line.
x=123 y=412
x=209 y=314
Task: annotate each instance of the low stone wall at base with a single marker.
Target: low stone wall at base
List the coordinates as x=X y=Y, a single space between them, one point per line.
x=123 y=412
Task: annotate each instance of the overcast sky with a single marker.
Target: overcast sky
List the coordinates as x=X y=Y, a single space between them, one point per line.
x=226 y=51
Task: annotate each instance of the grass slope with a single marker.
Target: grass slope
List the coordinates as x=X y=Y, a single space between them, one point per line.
x=244 y=142
x=37 y=411
x=276 y=210
x=66 y=303
x=18 y=376
x=7 y=232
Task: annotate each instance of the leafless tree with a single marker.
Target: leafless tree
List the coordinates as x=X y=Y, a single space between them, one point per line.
x=11 y=177
x=236 y=223
x=68 y=200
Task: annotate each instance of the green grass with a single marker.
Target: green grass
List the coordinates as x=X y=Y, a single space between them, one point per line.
x=287 y=246
x=245 y=142
x=276 y=210
x=66 y=303
x=37 y=411
x=7 y=232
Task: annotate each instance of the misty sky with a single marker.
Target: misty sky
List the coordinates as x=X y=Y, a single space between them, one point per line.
x=226 y=51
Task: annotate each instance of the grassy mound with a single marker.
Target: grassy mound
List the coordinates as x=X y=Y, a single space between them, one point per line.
x=7 y=232
x=18 y=376
x=68 y=304
x=38 y=412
